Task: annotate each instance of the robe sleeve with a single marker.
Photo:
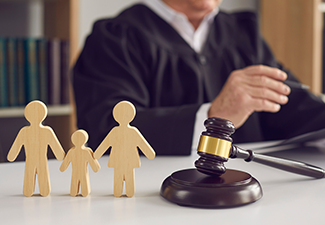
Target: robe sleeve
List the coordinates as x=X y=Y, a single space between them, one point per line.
x=112 y=67
x=304 y=111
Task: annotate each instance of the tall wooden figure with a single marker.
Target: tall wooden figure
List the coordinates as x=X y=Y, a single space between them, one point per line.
x=35 y=139
x=124 y=140
x=80 y=156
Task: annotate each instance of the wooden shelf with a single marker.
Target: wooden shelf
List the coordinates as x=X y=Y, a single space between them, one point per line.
x=10 y=112
x=293 y=29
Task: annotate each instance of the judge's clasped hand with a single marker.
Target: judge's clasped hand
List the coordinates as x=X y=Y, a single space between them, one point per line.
x=254 y=88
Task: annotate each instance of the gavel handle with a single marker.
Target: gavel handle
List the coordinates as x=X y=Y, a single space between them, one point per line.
x=279 y=163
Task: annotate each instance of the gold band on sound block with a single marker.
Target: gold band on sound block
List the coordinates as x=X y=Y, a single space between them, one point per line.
x=214 y=146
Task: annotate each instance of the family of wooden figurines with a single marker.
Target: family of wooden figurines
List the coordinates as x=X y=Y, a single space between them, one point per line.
x=124 y=157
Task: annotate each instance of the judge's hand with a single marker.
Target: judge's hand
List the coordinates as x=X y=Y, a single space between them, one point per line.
x=254 y=88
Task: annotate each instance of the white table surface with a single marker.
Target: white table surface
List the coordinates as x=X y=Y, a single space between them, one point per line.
x=287 y=198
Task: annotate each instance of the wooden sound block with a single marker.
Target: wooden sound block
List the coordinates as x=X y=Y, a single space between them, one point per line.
x=192 y=188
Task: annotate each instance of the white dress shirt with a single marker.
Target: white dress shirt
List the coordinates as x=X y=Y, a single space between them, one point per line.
x=195 y=38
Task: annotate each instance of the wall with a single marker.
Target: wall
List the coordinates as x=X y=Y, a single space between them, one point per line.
x=26 y=21
x=239 y=5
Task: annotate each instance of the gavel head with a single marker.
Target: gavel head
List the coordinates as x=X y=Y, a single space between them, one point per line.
x=215 y=146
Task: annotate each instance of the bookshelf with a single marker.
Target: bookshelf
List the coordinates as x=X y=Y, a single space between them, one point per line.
x=60 y=20
x=294 y=30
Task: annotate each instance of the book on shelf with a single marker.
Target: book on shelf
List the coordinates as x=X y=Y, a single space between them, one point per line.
x=31 y=69
x=12 y=71
x=42 y=69
x=34 y=68
x=20 y=84
x=54 y=70
x=3 y=74
x=65 y=72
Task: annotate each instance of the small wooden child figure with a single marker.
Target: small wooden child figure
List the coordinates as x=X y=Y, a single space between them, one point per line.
x=124 y=140
x=80 y=156
x=36 y=138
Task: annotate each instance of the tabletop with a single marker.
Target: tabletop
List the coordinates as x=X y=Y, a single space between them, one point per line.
x=287 y=198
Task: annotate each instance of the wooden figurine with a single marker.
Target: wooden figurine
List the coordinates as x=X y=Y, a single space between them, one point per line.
x=124 y=140
x=80 y=156
x=36 y=138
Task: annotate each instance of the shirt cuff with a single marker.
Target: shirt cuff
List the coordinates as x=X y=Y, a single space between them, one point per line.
x=201 y=116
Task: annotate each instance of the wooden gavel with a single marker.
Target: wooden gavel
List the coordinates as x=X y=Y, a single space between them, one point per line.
x=215 y=147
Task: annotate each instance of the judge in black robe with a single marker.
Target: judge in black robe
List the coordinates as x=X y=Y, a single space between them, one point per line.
x=140 y=58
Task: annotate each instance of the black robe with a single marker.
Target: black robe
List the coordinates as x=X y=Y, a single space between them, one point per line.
x=139 y=57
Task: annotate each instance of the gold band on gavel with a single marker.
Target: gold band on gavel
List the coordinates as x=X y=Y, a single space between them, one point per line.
x=214 y=146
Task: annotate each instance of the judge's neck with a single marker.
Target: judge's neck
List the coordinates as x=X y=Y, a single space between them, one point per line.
x=195 y=17
x=195 y=22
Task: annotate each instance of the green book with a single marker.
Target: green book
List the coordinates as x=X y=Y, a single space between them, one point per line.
x=3 y=74
x=42 y=69
x=31 y=69
x=12 y=71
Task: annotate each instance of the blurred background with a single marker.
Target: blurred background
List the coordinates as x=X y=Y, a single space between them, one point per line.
x=51 y=34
